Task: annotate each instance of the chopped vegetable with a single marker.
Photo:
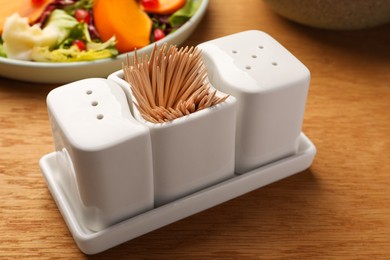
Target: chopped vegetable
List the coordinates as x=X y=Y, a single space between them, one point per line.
x=184 y=14
x=69 y=55
x=164 y=6
x=158 y=34
x=124 y=19
x=82 y=15
x=150 y=3
x=25 y=42
x=75 y=30
x=80 y=45
x=2 y=51
x=61 y=23
x=20 y=38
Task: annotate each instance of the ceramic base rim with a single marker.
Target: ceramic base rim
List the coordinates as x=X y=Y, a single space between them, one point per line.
x=91 y=242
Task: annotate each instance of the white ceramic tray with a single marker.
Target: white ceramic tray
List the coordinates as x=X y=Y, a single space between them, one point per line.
x=91 y=242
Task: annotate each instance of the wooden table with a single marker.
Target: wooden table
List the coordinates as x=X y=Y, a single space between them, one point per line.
x=339 y=208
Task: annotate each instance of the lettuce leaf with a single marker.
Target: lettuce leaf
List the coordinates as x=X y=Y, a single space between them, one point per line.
x=2 y=51
x=69 y=55
x=108 y=45
x=184 y=14
x=61 y=23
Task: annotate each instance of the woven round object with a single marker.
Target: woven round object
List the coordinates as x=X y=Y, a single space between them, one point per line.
x=334 y=14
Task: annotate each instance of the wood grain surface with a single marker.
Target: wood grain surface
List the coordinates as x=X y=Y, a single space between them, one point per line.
x=337 y=209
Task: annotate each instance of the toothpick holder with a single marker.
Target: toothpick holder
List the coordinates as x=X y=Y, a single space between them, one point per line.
x=192 y=152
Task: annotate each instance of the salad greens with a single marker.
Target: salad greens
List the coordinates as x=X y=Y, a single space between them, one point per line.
x=69 y=30
x=68 y=55
x=81 y=4
x=62 y=23
x=2 y=51
x=184 y=14
x=61 y=36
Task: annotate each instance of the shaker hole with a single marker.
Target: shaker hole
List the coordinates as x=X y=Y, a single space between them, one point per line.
x=254 y=56
x=94 y=103
x=88 y=92
x=248 y=67
x=234 y=51
x=261 y=47
x=100 y=116
x=275 y=63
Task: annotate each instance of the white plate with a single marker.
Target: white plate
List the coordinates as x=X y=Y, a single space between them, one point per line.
x=91 y=242
x=63 y=72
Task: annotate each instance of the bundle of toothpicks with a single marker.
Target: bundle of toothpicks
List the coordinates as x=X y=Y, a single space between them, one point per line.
x=171 y=84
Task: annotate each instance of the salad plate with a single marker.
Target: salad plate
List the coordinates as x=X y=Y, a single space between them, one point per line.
x=64 y=72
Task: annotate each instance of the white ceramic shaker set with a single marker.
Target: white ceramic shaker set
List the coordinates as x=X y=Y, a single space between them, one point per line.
x=115 y=165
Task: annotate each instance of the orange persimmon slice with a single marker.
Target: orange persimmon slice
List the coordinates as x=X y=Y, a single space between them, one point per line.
x=126 y=20
x=25 y=8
